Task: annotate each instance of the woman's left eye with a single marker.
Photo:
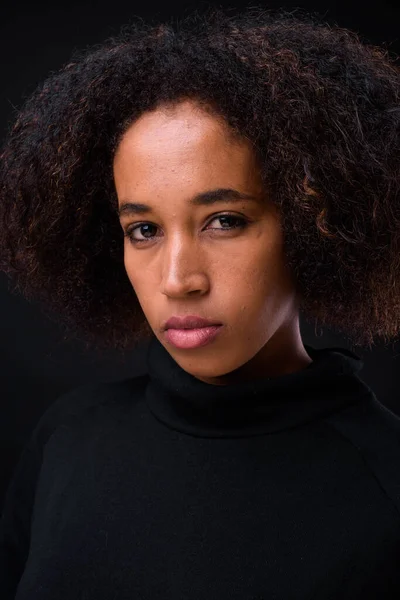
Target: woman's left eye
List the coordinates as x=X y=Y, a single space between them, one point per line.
x=241 y=223
x=239 y=220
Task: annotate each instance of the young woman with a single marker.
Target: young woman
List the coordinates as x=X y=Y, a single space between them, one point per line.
x=196 y=185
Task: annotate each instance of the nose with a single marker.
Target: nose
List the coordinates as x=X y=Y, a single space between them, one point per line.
x=183 y=270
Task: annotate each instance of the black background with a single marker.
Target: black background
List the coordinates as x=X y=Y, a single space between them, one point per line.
x=37 y=365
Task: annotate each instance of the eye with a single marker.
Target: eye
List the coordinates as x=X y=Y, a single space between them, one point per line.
x=241 y=223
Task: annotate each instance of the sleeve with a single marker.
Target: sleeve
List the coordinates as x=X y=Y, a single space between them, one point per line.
x=16 y=518
x=18 y=506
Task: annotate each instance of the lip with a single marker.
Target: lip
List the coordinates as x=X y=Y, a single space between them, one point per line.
x=189 y=322
x=192 y=338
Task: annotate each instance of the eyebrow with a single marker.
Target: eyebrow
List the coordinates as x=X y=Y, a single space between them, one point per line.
x=203 y=199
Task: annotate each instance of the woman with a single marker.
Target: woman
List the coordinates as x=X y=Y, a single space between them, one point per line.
x=197 y=185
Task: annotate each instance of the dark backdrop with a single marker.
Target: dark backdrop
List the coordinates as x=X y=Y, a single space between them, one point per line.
x=37 y=366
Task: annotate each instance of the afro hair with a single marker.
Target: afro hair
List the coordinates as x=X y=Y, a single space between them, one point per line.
x=321 y=109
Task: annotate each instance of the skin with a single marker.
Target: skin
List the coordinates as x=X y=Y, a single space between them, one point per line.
x=195 y=263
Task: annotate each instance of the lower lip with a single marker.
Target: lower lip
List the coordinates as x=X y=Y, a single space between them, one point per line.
x=192 y=338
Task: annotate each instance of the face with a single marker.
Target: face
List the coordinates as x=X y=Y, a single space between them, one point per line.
x=222 y=261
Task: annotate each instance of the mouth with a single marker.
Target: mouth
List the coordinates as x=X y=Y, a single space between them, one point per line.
x=189 y=322
x=192 y=338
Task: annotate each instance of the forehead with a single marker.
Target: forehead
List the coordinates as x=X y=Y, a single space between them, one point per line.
x=179 y=152
x=181 y=127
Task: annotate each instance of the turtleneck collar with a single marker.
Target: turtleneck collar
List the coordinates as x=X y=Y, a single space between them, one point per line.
x=265 y=405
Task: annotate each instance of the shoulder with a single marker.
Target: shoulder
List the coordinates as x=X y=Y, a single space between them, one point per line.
x=368 y=421
x=88 y=397
x=374 y=431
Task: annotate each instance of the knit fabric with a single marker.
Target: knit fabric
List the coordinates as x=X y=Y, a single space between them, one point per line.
x=165 y=487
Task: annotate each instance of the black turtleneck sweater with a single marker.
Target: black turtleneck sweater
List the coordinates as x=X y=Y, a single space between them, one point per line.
x=164 y=487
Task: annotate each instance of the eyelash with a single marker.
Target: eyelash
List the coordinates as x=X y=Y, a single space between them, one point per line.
x=129 y=231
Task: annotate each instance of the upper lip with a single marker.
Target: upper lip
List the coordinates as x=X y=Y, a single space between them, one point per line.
x=188 y=322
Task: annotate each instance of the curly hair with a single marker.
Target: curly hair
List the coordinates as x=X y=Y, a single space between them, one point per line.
x=321 y=109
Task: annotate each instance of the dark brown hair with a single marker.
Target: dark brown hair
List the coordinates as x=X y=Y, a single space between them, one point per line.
x=321 y=109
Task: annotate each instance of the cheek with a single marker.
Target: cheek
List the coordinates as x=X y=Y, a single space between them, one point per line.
x=257 y=268
x=140 y=279
x=131 y=270
x=261 y=283
x=242 y=285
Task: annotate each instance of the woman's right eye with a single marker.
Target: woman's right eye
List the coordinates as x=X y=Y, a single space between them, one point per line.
x=129 y=232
